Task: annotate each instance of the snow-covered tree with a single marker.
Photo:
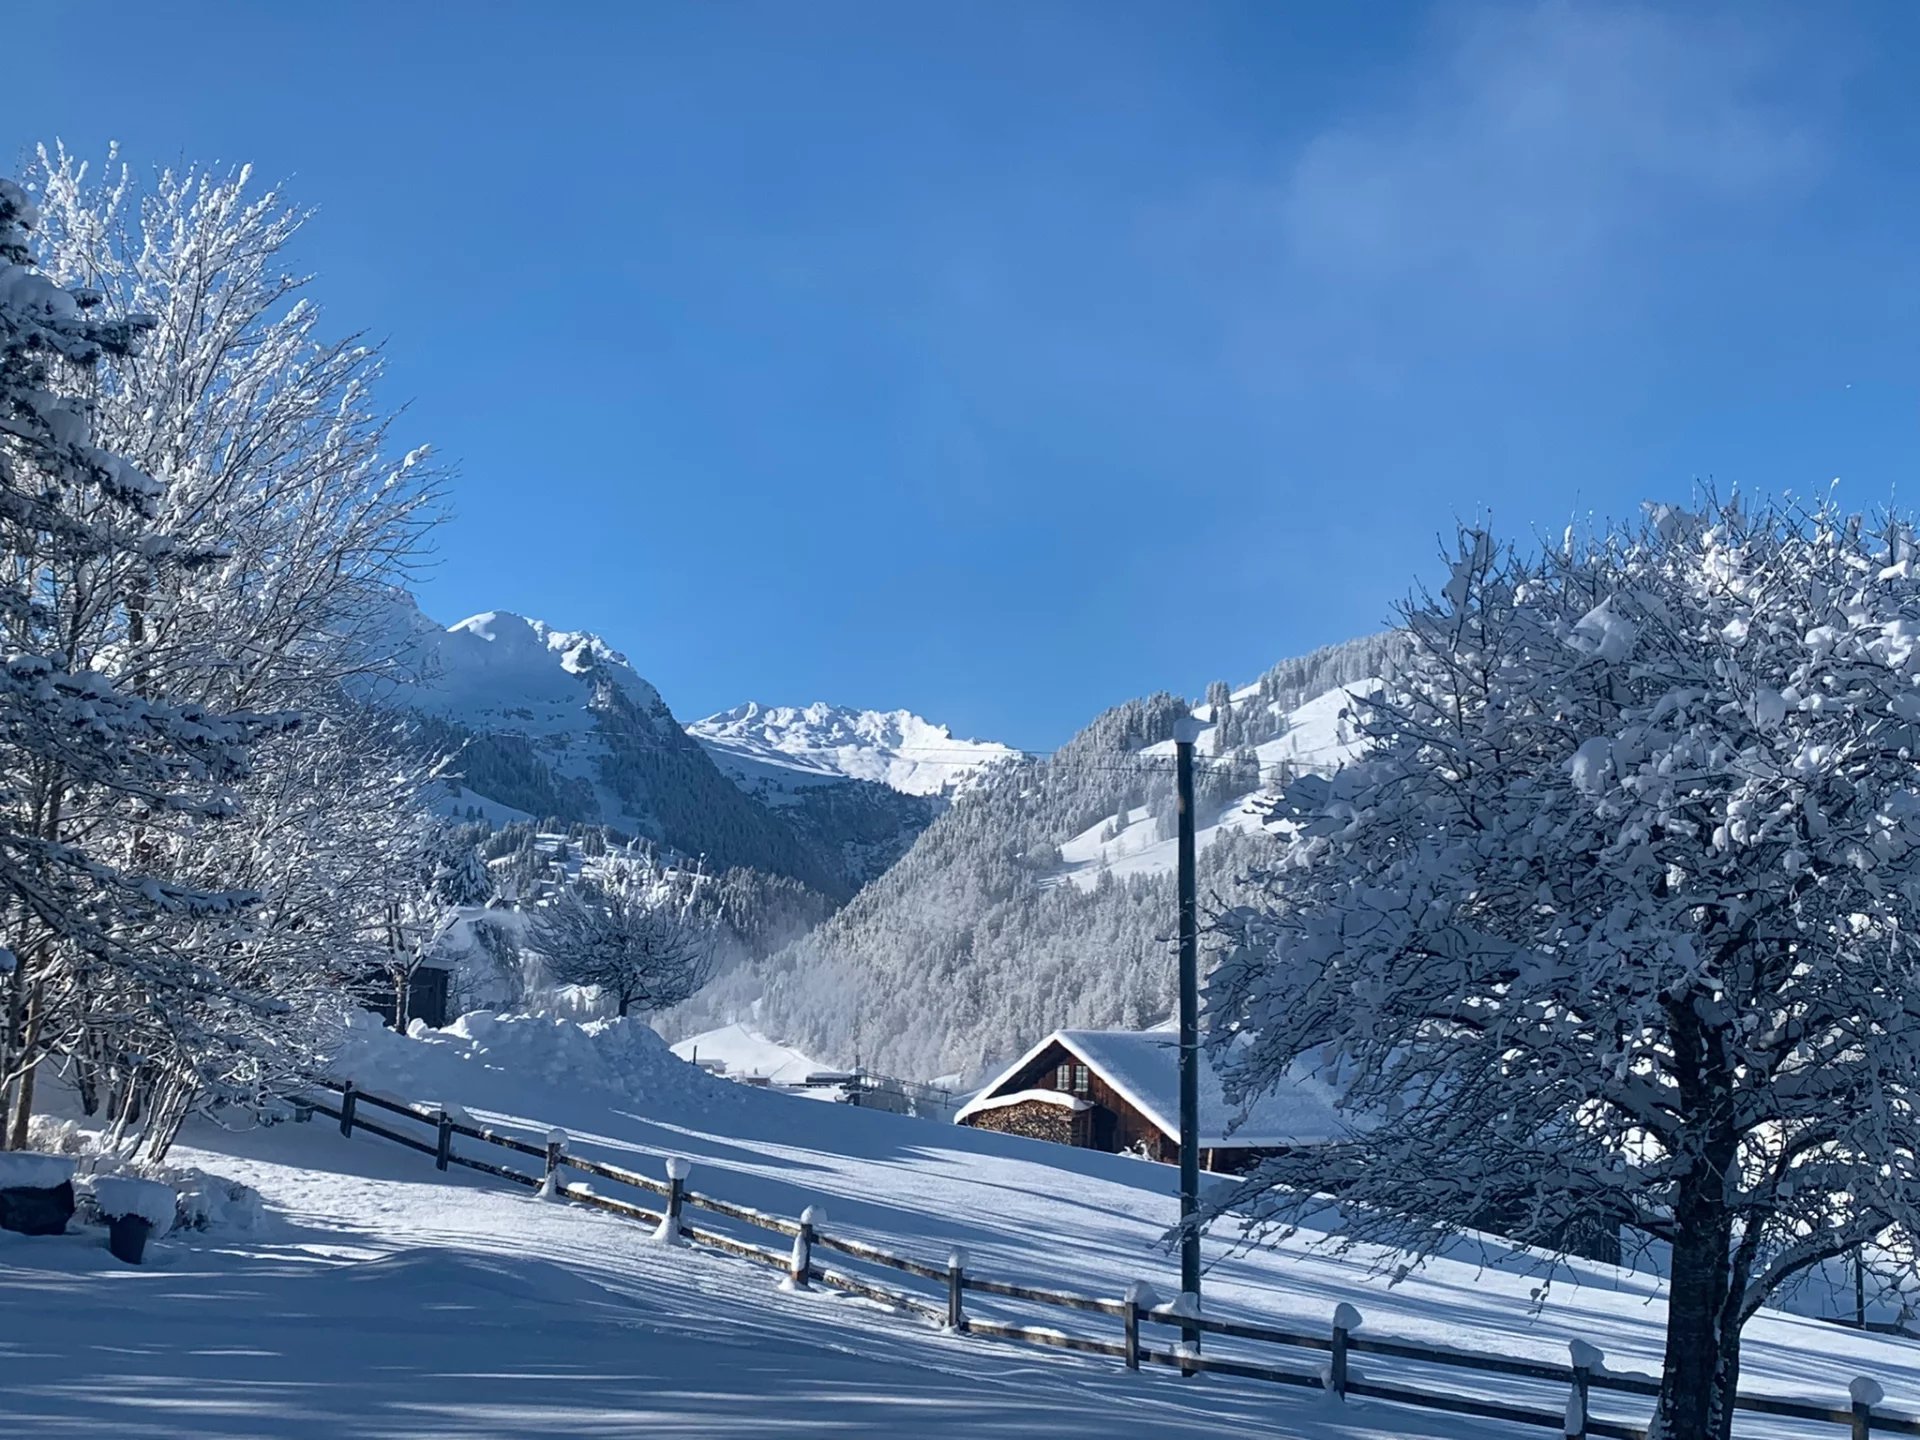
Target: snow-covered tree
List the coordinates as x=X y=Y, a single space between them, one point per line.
x=85 y=761
x=632 y=928
x=267 y=433
x=274 y=467
x=1614 y=926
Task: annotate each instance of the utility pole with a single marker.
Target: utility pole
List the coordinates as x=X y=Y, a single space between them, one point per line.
x=1185 y=731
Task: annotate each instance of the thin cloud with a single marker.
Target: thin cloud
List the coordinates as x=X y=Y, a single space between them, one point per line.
x=1533 y=146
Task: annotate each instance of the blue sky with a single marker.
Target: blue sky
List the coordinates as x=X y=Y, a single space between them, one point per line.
x=1005 y=360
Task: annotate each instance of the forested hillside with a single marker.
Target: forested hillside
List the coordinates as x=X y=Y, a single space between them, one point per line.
x=977 y=942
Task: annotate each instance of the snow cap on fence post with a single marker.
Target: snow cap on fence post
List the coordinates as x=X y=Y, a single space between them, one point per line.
x=800 y=1265
x=956 y=1283
x=1345 y=1319
x=1865 y=1392
x=678 y=1168
x=556 y=1152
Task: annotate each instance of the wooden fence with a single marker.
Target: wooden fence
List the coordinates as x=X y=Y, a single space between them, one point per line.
x=1585 y=1373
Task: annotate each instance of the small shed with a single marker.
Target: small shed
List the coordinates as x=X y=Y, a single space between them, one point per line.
x=428 y=994
x=1119 y=1091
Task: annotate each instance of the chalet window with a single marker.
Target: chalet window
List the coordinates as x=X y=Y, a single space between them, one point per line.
x=1063 y=1078
x=1080 y=1079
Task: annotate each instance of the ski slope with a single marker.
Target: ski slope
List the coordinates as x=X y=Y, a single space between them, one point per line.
x=381 y=1299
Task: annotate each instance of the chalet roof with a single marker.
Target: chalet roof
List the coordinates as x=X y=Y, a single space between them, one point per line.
x=1143 y=1067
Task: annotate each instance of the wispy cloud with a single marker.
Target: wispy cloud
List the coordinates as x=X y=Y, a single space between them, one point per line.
x=1533 y=145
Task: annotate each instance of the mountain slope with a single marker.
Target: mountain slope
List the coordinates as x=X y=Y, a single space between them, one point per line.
x=859 y=785
x=554 y=722
x=795 y=744
x=1002 y=923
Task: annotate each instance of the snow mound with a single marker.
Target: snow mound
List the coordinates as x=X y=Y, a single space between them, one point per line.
x=745 y=1051
x=525 y=1064
x=203 y=1201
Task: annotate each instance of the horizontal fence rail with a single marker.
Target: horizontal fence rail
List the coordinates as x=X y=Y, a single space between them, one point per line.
x=1586 y=1373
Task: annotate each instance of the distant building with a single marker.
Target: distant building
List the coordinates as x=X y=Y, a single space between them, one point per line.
x=1119 y=1091
x=428 y=993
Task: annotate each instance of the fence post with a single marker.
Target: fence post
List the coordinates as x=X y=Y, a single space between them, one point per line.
x=556 y=1157
x=1139 y=1297
x=800 y=1267
x=1865 y=1392
x=1345 y=1320
x=346 y=1110
x=1587 y=1359
x=956 y=1283
x=1186 y=1306
x=443 y=1140
x=678 y=1168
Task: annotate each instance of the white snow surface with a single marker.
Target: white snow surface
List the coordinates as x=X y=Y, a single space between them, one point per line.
x=500 y=671
x=745 y=1051
x=815 y=744
x=26 y=1170
x=378 y=1298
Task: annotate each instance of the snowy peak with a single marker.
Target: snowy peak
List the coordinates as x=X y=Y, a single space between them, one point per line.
x=799 y=745
x=579 y=652
x=500 y=671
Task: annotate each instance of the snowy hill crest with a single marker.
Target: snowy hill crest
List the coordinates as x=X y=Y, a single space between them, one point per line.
x=795 y=745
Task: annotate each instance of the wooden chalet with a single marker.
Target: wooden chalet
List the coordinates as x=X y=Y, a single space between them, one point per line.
x=1119 y=1091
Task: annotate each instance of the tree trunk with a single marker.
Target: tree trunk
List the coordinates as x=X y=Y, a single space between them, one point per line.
x=23 y=1097
x=1727 y=1382
x=1690 y=1379
x=12 y=1047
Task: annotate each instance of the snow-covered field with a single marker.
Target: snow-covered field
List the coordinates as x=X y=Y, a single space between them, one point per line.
x=381 y=1299
x=742 y=1050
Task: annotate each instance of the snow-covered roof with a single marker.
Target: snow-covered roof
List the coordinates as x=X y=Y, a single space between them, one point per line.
x=1143 y=1066
x=984 y=1101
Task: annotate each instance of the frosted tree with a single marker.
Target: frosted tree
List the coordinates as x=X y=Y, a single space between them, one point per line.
x=634 y=930
x=319 y=846
x=81 y=756
x=1613 y=926
x=275 y=468
x=267 y=433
